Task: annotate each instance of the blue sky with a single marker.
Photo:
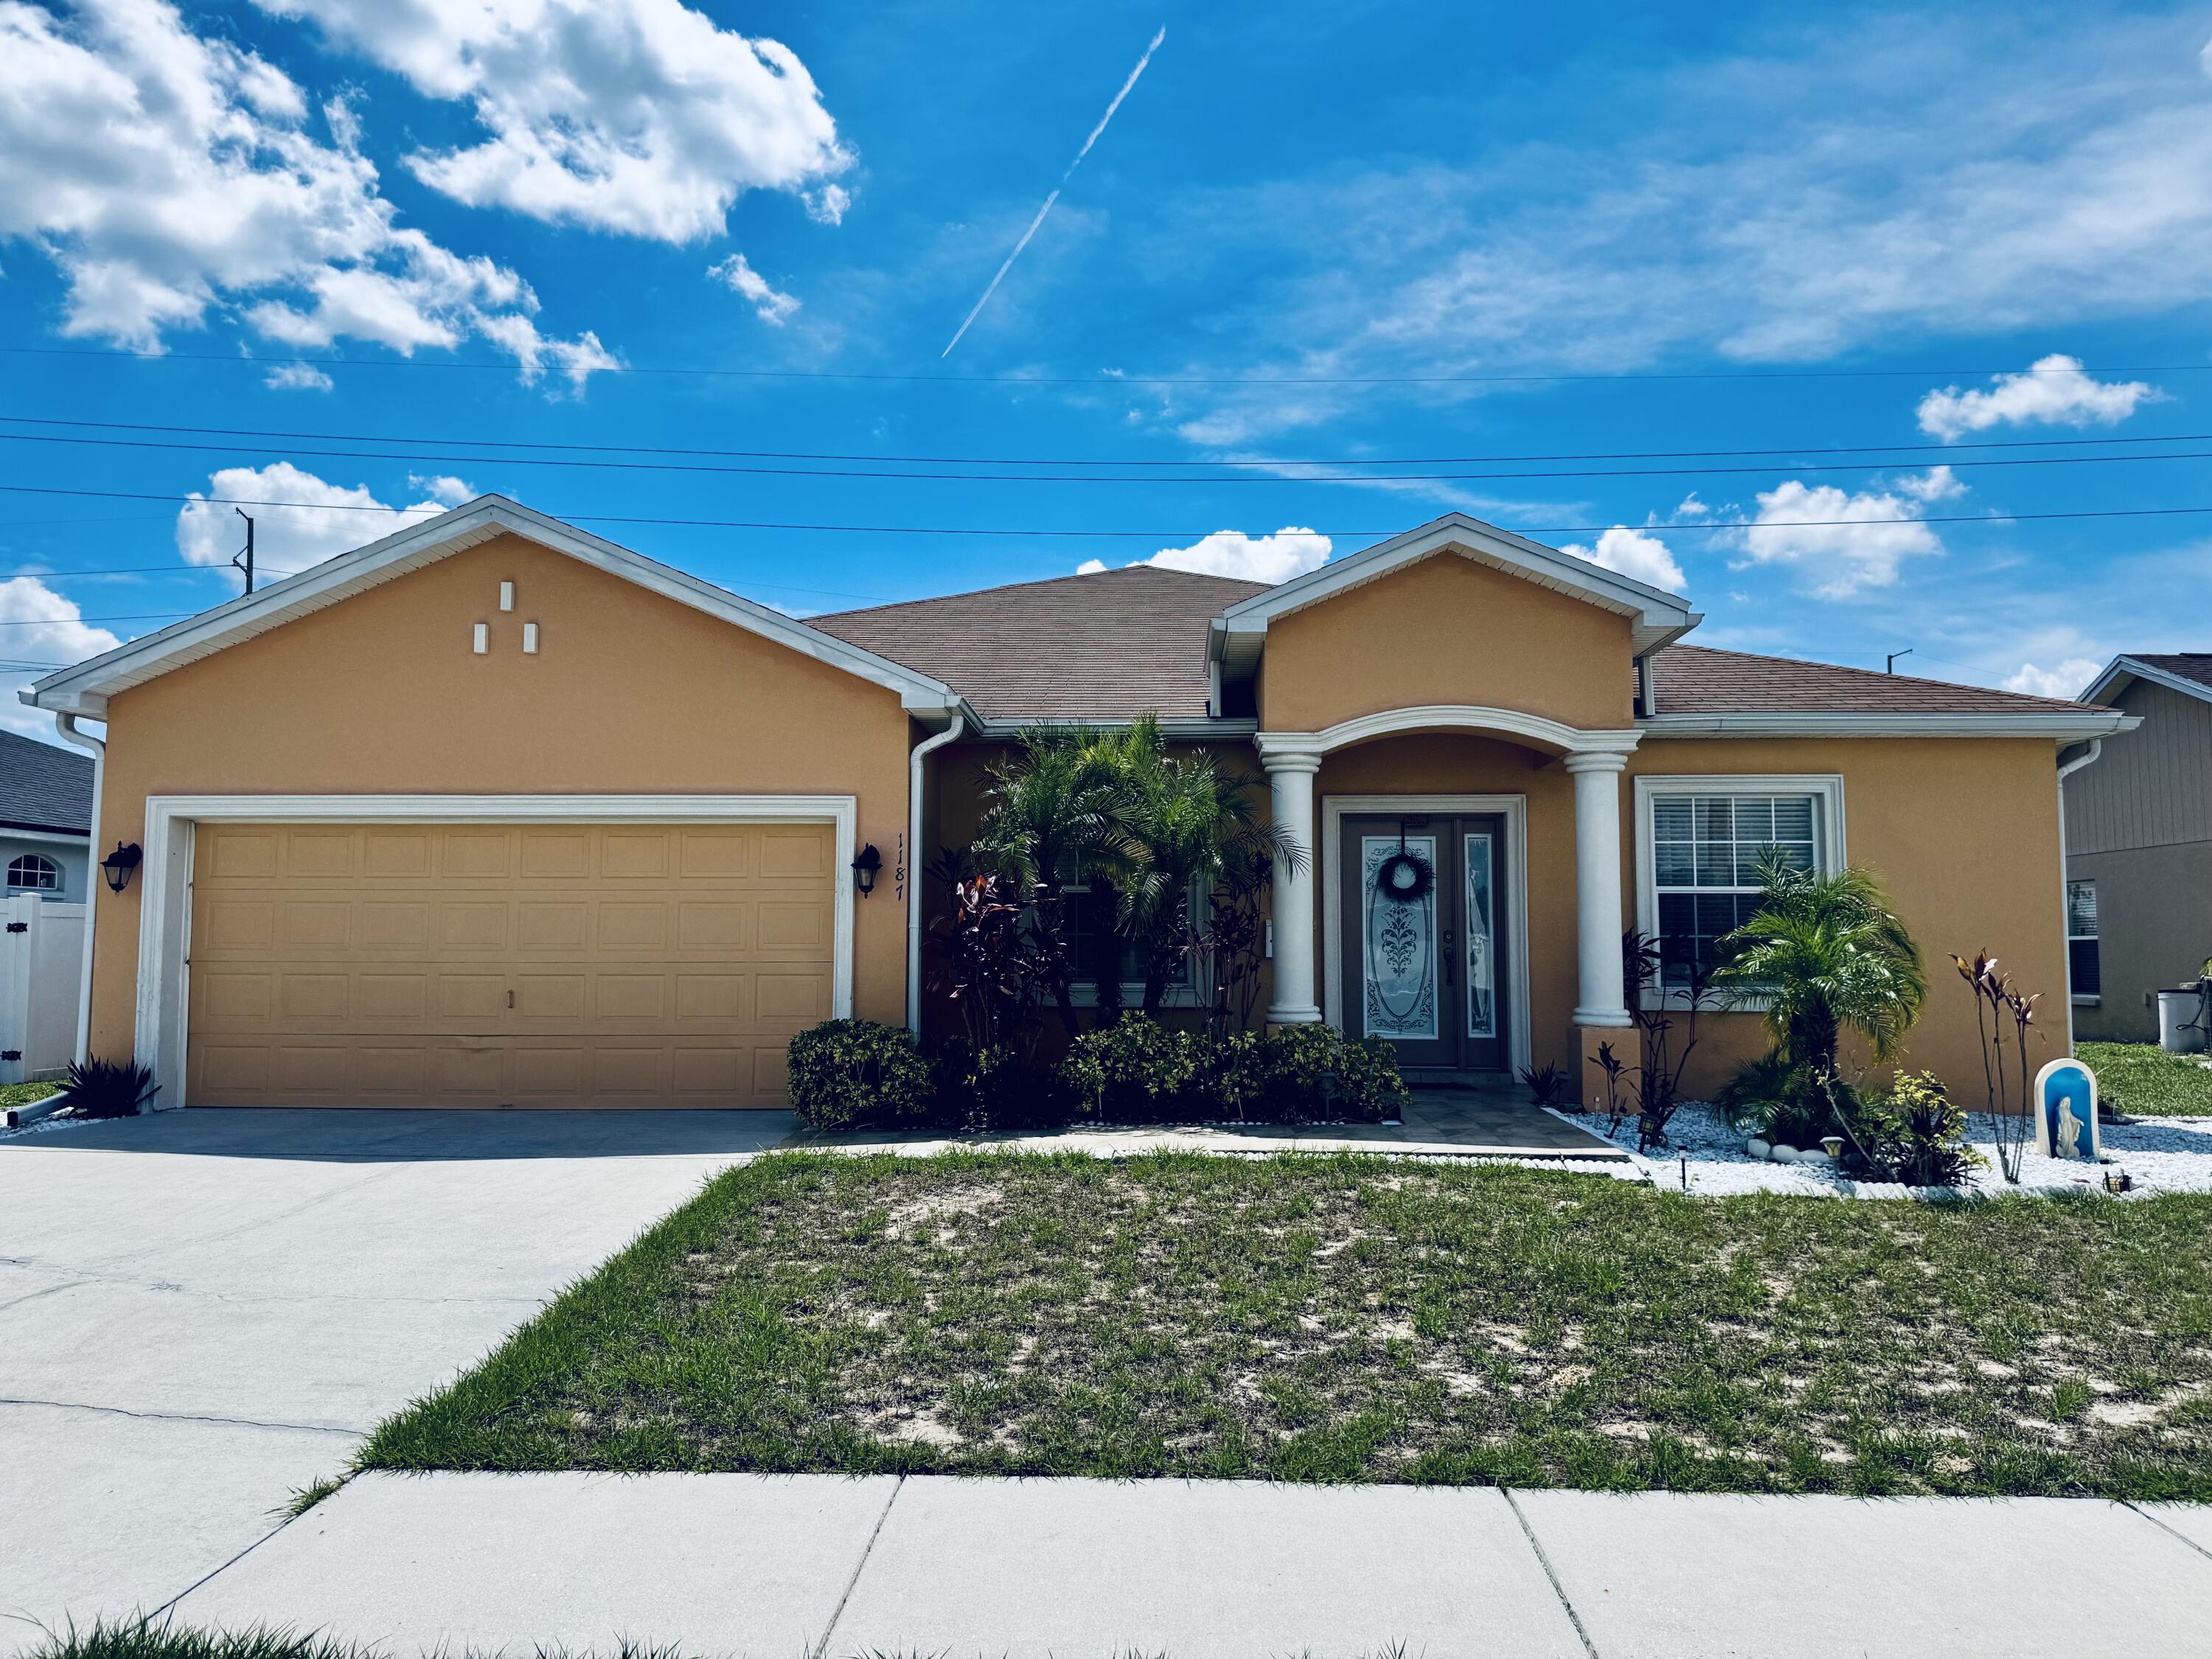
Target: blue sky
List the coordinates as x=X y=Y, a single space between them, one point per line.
x=1313 y=241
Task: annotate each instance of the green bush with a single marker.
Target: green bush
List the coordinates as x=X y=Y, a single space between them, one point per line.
x=997 y=1088
x=1369 y=1088
x=1135 y=1071
x=1917 y=1133
x=856 y=1074
x=1784 y=1103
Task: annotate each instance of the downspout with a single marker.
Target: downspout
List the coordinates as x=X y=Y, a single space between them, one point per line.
x=914 y=868
x=66 y=724
x=2066 y=771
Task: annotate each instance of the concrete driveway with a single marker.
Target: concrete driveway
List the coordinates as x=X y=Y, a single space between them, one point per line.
x=201 y=1312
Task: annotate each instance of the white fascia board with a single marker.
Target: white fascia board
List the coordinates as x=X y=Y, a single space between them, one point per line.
x=2122 y=669
x=1659 y=617
x=85 y=688
x=1780 y=723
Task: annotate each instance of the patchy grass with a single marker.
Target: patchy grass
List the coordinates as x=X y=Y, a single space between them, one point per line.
x=13 y=1095
x=2143 y=1080
x=1355 y=1319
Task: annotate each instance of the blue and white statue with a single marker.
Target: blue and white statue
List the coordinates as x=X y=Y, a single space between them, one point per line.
x=2066 y=1111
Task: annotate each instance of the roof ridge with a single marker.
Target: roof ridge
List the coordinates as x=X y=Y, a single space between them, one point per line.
x=1141 y=566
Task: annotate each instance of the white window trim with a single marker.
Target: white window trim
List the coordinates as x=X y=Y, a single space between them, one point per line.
x=1828 y=787
x=2081 y=999
x=165 y=922
x=1515 y=810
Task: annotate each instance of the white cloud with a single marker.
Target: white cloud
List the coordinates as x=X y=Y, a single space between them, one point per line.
x=635 y=116
x=2067 y=679
x=1639 y=556
x=331 y=518
x=167 y=174
x=2056 y=393
x=43 y=627
x=1797 y=524
x=1690 y=507
x=296 y=377
x=740 y=278
x=442 y=486
x=1291 y=551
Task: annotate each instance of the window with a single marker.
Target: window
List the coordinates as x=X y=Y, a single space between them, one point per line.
x=2083 y=969
x=33 y=873
x=1098 y=952
x=1699 y=842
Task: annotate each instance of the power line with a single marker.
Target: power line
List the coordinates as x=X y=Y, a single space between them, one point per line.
x=1133 y=535
x=446 y=459
x=1005 y=461
x=1106 y=378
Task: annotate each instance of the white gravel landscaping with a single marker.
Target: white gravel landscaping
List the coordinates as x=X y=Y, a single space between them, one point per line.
x=2159 y=1154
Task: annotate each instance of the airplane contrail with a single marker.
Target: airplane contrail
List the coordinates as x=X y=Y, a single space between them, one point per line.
x=1055 y=197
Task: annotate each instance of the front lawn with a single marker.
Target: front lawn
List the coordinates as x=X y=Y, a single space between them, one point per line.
x=1357 y=1319
x=13 y=1095
x=2143 y=1080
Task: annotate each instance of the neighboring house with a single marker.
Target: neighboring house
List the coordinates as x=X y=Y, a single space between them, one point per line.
x=495 y=812
x=2139 y=846
x=45 y=818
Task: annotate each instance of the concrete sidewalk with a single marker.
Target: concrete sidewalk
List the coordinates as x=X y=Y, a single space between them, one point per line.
x=822 y=1565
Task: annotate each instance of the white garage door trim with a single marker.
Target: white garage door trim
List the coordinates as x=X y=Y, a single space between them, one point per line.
x=165 y=924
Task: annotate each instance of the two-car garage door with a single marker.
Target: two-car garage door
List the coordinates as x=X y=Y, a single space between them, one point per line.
x=504 y=964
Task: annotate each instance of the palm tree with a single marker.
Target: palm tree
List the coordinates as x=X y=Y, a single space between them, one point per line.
x=1050 y=817
x=1179 y=820
x=1825 y=952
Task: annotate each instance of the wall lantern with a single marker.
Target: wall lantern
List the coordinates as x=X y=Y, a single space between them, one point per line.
x=865 y=867
x=119 y=865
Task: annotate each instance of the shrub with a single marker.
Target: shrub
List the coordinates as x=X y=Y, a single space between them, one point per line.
x=1786 y=1104
x=1369 y=1088
x=999 y=1088
x=1546 y=1083
x=1917 y=1133
x=107 y=1088
x=1134 y=1070
x=854 y=1073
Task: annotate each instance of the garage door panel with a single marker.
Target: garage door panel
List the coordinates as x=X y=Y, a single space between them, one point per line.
x=505 y=965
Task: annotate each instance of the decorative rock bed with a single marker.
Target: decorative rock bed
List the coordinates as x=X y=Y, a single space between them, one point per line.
x=2168 y=1154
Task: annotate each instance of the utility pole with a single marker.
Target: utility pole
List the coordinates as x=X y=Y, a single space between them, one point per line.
x=1888 y=668
x=244 y=560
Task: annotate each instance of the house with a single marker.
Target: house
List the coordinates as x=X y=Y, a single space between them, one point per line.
x=495 y=812
x=2139 y=846
x=45 y=818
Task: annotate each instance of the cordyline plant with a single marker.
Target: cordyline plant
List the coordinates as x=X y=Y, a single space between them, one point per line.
x=1657 y=1083
x=1997 y=1000
x=989 y=961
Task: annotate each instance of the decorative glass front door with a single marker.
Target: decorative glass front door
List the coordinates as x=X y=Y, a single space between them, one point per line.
x=1422 y=942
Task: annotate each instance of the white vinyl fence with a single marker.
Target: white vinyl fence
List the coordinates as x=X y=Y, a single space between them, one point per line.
x=41 y=960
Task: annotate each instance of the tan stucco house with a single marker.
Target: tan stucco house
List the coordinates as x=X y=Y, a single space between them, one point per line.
x=493 y=812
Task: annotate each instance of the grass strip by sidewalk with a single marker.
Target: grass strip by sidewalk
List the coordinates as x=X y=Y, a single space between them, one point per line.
x=132 y=1638
x=1357 y=1318
x=2143 y=1080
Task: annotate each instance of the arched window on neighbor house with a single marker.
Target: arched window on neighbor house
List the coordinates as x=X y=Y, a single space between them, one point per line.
x=34 y=873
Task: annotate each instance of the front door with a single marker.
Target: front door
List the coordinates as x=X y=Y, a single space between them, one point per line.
x=1423 y=938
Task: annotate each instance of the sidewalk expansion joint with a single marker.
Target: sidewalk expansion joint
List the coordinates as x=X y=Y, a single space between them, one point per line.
x=183 y=1417
x=1545 y=1562
x=822 y=1648
x=2181 y=1538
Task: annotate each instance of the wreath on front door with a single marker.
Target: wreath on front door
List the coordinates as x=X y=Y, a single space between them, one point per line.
x=1404 y=878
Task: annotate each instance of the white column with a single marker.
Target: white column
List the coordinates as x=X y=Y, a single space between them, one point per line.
x=1597 y=888
x=1292 y=778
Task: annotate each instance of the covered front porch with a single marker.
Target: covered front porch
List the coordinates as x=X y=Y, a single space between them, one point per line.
x=1500 y=950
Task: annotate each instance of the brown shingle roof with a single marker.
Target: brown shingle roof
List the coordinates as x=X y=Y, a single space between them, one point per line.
x=1120 y=643
x=1104 y=646
x=1695 y=679
x=2194 y=665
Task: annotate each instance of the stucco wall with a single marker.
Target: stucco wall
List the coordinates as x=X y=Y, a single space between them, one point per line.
x=631 y=693
x=1447 y=630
